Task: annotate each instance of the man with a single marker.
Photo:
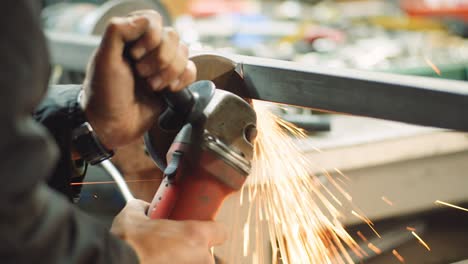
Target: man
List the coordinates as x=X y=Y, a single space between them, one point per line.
x=120 y=102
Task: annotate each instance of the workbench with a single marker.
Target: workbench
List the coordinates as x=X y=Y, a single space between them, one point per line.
x=410 y=165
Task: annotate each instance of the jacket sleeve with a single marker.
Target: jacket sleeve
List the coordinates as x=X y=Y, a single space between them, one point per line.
x=53 y=113
x=38 y=224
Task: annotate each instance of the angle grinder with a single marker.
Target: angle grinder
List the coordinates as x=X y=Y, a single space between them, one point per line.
x=204 y=144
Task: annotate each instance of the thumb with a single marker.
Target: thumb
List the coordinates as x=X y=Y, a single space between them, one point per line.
x=139 y=206
x=120 y=31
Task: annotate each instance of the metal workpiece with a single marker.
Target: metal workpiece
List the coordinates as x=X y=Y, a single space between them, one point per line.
x=223 y=71
x=410 y=99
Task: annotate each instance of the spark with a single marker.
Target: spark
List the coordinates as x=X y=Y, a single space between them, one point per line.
x=303 y=223
x=368 y=222
x=433 y=66
x=362 y=236
x=412 y=229
x=110 y=182
x=342 y=174
x=317 y=149
x=364 y=219
x=386 y=200
x=337 y=186
x=374 y=248
x=246 y=242
x=375 y=231
x=451 y=205
x=342 y=181
x=421 y=241
x=398 y=256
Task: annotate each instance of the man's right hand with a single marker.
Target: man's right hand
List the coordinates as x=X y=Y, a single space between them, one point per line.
x=137 y=59
x=166 y=241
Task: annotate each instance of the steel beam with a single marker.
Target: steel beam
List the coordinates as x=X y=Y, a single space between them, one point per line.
x=410 y=99
x=416 y=100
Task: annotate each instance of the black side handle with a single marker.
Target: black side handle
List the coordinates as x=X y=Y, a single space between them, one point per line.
x=181 y=102
x=180 y=106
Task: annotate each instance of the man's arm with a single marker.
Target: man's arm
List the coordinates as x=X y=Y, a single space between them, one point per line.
x=37 y=225
x=47 y=229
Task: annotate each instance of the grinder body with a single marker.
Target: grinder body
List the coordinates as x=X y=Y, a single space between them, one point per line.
x=209 y=156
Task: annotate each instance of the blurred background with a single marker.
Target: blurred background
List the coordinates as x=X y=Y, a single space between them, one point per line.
x=397 y=170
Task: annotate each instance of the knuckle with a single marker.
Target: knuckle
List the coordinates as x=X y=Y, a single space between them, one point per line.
x=181 y=65
x=146 y=19
x=143 y=69
x=156 y=17
x=184 y=50
x=192 y=76
x=163 y=61
x=172 y=34
x=169 y=74
x=191 y=70
x=189 y=75
x=113 y=25
x=151 y=15
x=143 y=12
x=154 y=37
x=172 y=73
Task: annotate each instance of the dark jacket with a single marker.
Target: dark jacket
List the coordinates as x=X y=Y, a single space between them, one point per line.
x=37 y=224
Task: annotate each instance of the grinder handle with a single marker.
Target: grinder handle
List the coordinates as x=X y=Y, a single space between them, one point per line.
x=179 y=107
x=196 y=197
x=200 y=197
x=181 y=101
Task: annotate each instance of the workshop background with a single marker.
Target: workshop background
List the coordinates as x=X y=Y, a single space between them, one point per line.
x=397 y=171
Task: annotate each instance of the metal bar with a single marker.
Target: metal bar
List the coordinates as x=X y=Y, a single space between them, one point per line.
x=410 y=99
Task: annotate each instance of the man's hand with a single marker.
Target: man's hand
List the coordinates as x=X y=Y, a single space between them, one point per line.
x=166 y=241
x=136 y=59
